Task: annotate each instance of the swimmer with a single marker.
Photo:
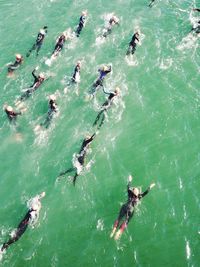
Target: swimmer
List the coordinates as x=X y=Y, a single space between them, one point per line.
x=103 y=71
x=151 y=3
x=13 y=66
x=80 y=158
x=39 y=41
x=52 y=110
x=38 y=80
x=112 y=21
x=196 y=9
x=82 y=22
x=105 y=106
x=30 y=217
x=127 y=209
x=133 y=43
x=76 y=74
x=59 y=44
x=12 y=115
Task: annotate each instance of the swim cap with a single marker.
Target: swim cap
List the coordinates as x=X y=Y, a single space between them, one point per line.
x=41 y=75
x=52 y=97
x=136 y=191
x=105 y=68
x=117 y=90
x=18 y=56
x=79 y=62
x=84 y=13
x=42 y=194
x=42 y=31
x=9 y=108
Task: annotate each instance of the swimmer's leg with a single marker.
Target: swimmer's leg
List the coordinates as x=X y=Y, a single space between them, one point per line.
x=67 y=171
x=74 y=178
x=102 y=120
x=98 y=117
x=38 y=49
x=122 y=213
x=29 y=52
x=129 y=215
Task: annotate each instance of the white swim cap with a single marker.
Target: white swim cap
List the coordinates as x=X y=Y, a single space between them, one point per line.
x=84 y=13
x=18 y=56
x=42 y=194
x=52 y=97
x=136 y=191
x=42 y=31
x=41 y=75
x=78 y=62
x=9 y=108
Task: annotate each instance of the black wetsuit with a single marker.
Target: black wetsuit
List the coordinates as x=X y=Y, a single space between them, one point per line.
x=80 y=157
x=12 y=115
x=15 y=65
x=38 y=43
x=99 y=81
x=59 y=45
x=105 y=106
x=132 y=45
x=127 y=210
x=20 y=230
x=80 y=25
x=76 y=71
x=52 y=110
x=37 y=82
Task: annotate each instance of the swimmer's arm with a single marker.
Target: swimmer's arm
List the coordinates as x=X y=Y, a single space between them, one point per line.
x=105 y=92
x=129 y=182
x=196 y=9
x=147 y=191
x=33 y=73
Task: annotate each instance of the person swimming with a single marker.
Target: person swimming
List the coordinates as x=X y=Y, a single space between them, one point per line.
x=133 y=44
x=51 y=112
x=38 y=80
x=12 y=115
x=39 y=41
x=112 y=21
x=13 y=66
x=80 y=158
x=105 y=106
x=103 y=71
x=82 y=22
x=59 y=44
x=76 y=74
x=30 y=217
x=127 y=209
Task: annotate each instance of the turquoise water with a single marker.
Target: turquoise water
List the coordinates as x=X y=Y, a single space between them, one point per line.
x=152 y=132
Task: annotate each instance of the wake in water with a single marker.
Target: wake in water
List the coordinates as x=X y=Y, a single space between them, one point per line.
x=31 y=217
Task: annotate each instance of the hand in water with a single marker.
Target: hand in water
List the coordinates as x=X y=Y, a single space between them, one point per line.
x=152 y=185
x=130 y=178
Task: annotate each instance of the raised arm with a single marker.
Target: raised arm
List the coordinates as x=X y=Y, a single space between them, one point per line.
x=146 y=191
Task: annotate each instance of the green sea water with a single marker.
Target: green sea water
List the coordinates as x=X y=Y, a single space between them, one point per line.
x=151 y=132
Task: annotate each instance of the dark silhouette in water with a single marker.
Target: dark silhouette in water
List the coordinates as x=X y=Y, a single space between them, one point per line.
x=103 y=71
x=52 y=110
x=32 y=214
x=127 y=209
x=80 y=158
x=82 y=22
x=39 y=41
x=105 y=106
x=133 y=44
x=13 y=66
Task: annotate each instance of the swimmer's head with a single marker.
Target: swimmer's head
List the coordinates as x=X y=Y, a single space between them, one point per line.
x=41 y=76
x=84 y=13
x=42 y=31
x=117 y=90
x=18 y=56
x=78 y=63
x=135 y=191
x=52 y=97
x=8 y=108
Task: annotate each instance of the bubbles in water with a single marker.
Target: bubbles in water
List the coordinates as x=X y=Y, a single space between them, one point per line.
x=100 y=225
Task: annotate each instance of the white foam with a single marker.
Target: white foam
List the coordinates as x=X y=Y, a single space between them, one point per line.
x=188 y=250
x=100 y=225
